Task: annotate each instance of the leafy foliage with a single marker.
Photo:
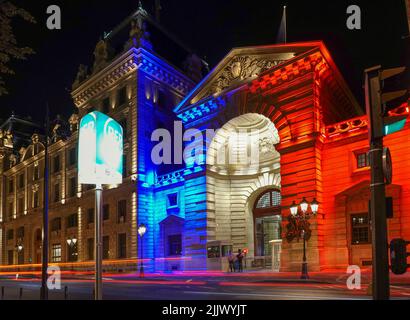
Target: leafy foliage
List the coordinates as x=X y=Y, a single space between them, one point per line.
x=9 y=49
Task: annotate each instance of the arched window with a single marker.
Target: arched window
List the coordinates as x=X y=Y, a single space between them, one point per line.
x=269 y=199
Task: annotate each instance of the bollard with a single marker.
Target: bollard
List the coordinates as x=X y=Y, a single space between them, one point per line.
x=65 y=293
x=2 y=293
x=21 y=293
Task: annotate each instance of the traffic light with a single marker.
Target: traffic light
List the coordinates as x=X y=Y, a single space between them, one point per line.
x=376 y=102
x=398 y=256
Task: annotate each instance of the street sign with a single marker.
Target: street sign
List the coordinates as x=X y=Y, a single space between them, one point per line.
x=100 y=152
x=387 y=166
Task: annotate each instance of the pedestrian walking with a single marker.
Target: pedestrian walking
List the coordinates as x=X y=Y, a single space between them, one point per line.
x=239 y=258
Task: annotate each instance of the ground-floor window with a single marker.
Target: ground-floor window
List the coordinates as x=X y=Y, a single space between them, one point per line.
x=56 y=253
x=175 y=245
x=360 y=228
x=90 y=249
x=122 y=245
x=10 y=257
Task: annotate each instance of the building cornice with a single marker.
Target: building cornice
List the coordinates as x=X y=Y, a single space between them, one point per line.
x=124 y=66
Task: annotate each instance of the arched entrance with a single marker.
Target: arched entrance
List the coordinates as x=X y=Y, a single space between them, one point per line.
x=243 y=182
x=267 y=221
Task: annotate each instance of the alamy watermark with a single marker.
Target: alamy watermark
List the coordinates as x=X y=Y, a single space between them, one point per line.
x=196 y=147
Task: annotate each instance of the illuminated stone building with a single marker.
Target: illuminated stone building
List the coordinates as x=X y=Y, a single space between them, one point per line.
x=305 y=137
x=132 y=83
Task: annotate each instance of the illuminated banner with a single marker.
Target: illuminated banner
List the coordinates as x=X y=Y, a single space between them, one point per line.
x=100 y=151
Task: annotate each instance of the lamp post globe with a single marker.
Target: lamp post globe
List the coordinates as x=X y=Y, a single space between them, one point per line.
x=141 y=231
x=304 y=205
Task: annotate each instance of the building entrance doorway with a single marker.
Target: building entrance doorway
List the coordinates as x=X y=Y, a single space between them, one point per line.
x=267 y=222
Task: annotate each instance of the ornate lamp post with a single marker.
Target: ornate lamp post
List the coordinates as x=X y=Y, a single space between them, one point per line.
x=299 y=226
x=71 y=243
x=141 y=231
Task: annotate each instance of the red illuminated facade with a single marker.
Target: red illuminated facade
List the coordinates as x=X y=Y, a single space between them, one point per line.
x=323 y=144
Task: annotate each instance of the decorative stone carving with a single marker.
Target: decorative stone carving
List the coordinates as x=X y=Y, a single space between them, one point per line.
x=73 y=121
x=35 y=138
x=102 y=54
x=139 y=36
x=6 y=139
x=239 y=69
x=266 y=146
x=13 y=160
x=81 y=75
x=59 y=129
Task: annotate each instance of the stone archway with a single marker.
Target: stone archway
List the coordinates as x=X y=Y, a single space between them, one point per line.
x=233 y=186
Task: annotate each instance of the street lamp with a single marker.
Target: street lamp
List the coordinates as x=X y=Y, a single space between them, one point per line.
x=71 y=242
x=141 y=231
x=299 y=226
x=19 y=247
x=72 y=252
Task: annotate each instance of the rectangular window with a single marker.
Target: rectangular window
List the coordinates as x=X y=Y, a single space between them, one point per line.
x=56 y=224
x=20 y=233
x=106 y=247
x=56 y=163
x=11 y=186
x=72 y=156
x=90 y=215
x=10 y=257
x=122 y=246
x=106 y=105
x=72 y=221
x=122 y=96
x=10 y=234
x=73 y=187
x=362 y=160
x=360 y=229
x=175 y=245
x=172 y=200
x=56 y=192
x=21 y=181
x=106 y=212
x=11 y=211
x=56 y=253
x=35 y=199
x=122 y=210
x=21 y=205
x=90 y=249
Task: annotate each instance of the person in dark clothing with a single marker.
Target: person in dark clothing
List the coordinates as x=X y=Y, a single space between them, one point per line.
x=231 y=260
x=239 y=258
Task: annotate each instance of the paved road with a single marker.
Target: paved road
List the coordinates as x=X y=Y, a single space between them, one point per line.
x=196 y=288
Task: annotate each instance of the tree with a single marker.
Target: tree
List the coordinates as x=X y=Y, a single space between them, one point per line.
x=9 y=48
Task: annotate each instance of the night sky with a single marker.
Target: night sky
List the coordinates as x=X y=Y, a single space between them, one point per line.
x=210 y=27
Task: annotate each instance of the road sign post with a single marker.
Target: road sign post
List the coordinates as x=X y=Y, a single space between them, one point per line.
x=100 y=156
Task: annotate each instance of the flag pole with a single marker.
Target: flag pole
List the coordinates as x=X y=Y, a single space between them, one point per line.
x=286 y=26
